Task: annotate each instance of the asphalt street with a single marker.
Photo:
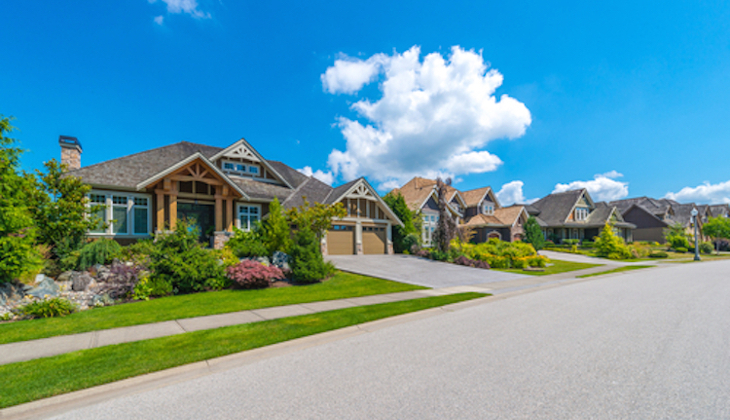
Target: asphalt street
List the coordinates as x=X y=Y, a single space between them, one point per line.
x=652 y=344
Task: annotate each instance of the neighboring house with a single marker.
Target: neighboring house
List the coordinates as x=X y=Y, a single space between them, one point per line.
x=652 y=216
x=478 y=209
x=574 y=215
x=720 y=210
x=489 y=219
x=218 y=189
x=422 y=198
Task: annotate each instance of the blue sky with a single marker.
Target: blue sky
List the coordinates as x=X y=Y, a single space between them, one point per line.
x=626 y=98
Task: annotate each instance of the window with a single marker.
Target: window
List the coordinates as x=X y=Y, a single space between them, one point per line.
x=99 y=200
x=228 y=166
x=239 y=168
x=253 y=170
x=119 y=214
x=581 y=214
x=488 y=208
x=248 y=215
x=125 y=214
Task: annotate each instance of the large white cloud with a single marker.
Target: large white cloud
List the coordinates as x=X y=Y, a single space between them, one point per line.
x=603 y=187
x=434 y=116
x=705 y=193
x=189 y=7
x=323 y=176
x=512 y=193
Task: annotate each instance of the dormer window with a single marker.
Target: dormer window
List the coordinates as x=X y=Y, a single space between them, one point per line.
x=237 y=168
x=581 y=214
x=488 y=208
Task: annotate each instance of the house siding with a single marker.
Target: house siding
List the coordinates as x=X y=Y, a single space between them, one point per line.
x=649 y=234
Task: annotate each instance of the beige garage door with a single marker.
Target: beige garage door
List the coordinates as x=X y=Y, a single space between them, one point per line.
x=341 y=240
x=373 y=239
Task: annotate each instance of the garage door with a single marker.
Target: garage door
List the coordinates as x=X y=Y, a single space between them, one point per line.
x=341 y=240
x=373 y=239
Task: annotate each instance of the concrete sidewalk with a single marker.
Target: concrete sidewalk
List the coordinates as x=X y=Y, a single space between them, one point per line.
x=45 y=347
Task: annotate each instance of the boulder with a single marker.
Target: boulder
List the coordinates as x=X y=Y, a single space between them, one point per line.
x=81 y=282
x=279 y=259
x=65 y=276
x=263 y=260
x=47 y=287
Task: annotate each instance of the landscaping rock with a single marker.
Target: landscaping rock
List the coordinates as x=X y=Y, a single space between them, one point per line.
x=263 y=260
x=81 y=282
x=281 y=259
x=65 y=276
x=47 y=287
x=39 y=278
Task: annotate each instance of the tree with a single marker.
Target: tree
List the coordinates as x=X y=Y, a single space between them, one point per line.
x=446 y=228
x=610 y=245
x=533 y=234
x=406 y=236
x=17 y=231
x=717 y=228
x=317 y=217
x=675 y=229
x=59 y=205
x=275 y=229
x=308 y=265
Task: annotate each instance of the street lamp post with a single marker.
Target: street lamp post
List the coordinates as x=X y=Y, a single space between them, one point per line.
x=697 y=248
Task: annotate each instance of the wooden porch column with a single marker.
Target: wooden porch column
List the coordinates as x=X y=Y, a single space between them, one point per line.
x=160 y=211
x=173 y=205
x=229 y=212
x=218 y=213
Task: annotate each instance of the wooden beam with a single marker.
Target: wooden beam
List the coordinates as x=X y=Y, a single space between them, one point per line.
x=226 y=190
x=173 y=211
x=218 y=214
x=229 y=226
x=160 y=211
x=167 y=184
x=210 y=181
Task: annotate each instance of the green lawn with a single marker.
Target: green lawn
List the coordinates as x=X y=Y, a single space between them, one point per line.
x=32 y=380
x=617 y=270
x=342 y=285
x=557 y=266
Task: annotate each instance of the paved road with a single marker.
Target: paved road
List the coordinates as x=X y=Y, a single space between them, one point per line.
x=646 y=345
x=419 y=271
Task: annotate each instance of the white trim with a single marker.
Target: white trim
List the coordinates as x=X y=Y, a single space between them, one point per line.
x=156 y=177
x=109 y=213
x=386 y=208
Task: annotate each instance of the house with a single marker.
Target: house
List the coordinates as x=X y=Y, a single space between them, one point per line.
x=421 y=196
x=652 y=216
x=574 y=215
x=478 y=209
x=218 y=189
x=717 y=210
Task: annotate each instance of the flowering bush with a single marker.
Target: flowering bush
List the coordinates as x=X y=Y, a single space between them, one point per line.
x=249 y=274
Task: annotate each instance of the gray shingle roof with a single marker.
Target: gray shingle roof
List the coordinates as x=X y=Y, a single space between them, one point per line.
x=262 y=190
x=720 y=210
x=313 y=190
x=339 y=191
x=556 y=207
x=128 y=171
x=292 y=176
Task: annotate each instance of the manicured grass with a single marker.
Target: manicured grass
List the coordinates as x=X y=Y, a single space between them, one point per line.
x=32 y=380
x=341 y=285
x=557 y=267
x=617 y=270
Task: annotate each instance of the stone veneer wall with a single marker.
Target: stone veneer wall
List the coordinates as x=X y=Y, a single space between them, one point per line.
x=220 y=239
x=71 y=157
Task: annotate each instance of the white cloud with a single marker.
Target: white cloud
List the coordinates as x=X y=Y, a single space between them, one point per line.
x=325 y=177
x=603 y=187
x=705 y=193
x=511 y=193
x=189 y=7
x=159 y=19
x=434 y=116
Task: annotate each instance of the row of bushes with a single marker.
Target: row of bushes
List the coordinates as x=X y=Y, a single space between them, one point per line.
x=491 y=254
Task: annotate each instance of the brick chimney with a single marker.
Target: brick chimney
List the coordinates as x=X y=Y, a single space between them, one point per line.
x=70 y=152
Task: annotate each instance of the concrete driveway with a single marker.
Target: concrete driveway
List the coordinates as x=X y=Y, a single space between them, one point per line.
x=419 y=271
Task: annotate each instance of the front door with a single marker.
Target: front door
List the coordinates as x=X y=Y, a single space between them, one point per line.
x=201 y=216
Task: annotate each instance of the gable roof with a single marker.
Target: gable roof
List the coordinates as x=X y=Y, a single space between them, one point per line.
x=343 y=190
x=128 y=171
x=243 y=143
x=720 y=209
x=556 y=207
x=502 y=217
x=474 y=197
x=312 y=189
x=291 y=175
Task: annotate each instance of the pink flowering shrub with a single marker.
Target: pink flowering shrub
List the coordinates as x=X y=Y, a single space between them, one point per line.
x=249 y=274
x=462 y=260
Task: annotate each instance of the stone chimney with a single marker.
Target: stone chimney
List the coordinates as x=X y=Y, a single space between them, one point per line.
x=70 y=152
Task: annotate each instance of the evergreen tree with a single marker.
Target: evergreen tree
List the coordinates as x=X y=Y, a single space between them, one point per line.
x=275 y=229
x=533 y=234
x=17 y=231
x=406 y=236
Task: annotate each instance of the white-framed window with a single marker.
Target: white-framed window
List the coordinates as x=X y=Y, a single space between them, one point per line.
x=581 y=213
x=430 y=221
x=238 y=168
x=127 y=214
x=248 y=215
x=488 y=208
x=253 y=169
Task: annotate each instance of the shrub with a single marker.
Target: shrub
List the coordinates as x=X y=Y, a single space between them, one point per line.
x=226 y=256
x=609 y=245
x=533 y=233
x=588 y=244
x=498 y=262
x=520 y=263
x=139 y=251
x=249 y=274
x=681 y=249
x=149 y=286
x=706 y=247
x=407 y=236
x=308 y=266
x=437 y=255
x=462 y=260
x=677 y=241
x=246 y=244
x=571 y=241
x=538 y=261
x=275 y=229
x=422 y=253
x=658 y=254
x=178 y=259
x=100 y=251
x=48 y=308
